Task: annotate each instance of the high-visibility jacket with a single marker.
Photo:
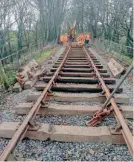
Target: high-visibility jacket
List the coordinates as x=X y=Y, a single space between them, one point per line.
x=81 y=37
x=61 y=38
x=65 y=38
x=88 y=37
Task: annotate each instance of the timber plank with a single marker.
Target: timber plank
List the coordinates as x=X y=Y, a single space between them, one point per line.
x=115 y=68
x=29 y=84
x=77 y=74
x=80 y=80
x=78 y=66
x=79 y=97
x=64 y=133
x=79 y=70
x=95 y=88
x=59 y=109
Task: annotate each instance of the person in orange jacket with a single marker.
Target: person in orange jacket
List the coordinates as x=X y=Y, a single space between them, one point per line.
x=61 y=39
x=87 y=38
x=81 y=38
x=65 y=39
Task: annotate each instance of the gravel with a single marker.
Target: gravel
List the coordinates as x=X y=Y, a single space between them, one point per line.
x=127 y=90
x=7 y=112
x=63 y=151
x=77 y=103
x=3 y=143
x=71 y=120
x=9 y=101
x=127 y=86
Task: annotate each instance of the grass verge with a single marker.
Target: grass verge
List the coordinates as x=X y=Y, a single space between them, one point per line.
x=43 y=55
x=124 y=58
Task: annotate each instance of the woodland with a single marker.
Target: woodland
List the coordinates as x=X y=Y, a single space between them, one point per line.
x=27 y=22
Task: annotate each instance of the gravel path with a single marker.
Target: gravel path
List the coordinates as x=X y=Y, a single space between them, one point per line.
x=61 y=151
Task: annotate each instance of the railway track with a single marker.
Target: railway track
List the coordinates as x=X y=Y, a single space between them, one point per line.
x=76 y=76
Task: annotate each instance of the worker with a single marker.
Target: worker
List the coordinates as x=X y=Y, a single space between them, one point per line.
x=81 y=38
x=71 y=34
x=87 y=38
x=61 y=39
x=65 y=39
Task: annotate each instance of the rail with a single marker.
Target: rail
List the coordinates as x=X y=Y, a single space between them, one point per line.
x=120 y=119
x=63 y=63
x=25 y=124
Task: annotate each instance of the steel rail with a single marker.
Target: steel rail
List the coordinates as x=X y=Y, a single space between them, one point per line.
x=124 y=127
x=25 y=124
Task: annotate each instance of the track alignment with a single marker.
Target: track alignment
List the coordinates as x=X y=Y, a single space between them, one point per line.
x=25 y=125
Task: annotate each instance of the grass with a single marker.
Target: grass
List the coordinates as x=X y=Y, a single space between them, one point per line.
x=8 y=77
x=125 y=58
x=43 y=55
x=11 y=75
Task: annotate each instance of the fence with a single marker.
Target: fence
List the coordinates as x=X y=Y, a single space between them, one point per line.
x=10 y=64
x=120 y=51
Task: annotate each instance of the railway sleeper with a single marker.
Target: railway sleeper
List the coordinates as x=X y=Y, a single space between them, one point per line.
x=80 y=80
x=78 y=66
x=75 y=59
x=78 y=97
x=79 y=70
x=77 y=74
x=78 y=62
x=64 y=133
x=78 y=57
x=61 y=109
x=74 y=63
x=76 y=88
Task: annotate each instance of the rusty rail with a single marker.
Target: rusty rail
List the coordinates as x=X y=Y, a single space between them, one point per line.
x=118 y=115
x=25 y=124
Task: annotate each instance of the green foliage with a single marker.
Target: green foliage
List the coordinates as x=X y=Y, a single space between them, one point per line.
x=11 y=74
x=44 y=54
x=3 y=76
x=7 y=76
x=123 y=40
x=127 y=59
x=13 y=36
